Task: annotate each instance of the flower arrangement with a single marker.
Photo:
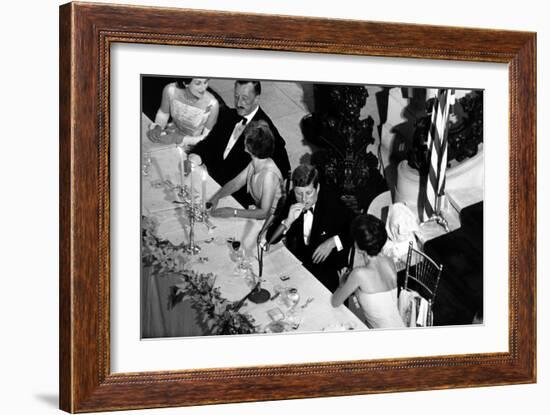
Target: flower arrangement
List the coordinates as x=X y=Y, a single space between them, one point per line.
x=160 y=254
x=184 y=195
x=220 y=315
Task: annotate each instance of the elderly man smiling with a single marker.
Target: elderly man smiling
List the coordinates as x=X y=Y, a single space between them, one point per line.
x=223 y=151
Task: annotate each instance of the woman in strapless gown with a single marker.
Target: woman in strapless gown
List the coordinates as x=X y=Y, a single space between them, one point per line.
x=262 y=177
x=193 y=112
x=372 y=283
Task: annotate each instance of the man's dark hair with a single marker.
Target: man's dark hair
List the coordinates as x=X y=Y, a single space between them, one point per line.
x=256 y=84
x=304 y=175
x=369 y=233
x=258 y=139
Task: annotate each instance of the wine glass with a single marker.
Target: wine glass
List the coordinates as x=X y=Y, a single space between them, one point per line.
x=250 y=278
x=147 y=161
x=236 y=253
x=293 y=298
x=293 y=315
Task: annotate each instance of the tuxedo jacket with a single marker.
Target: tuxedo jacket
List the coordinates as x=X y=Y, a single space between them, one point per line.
x=330 y=218
x=222 y=170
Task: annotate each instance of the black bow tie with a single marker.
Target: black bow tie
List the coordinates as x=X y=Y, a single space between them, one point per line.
x=310 y=210
x=241 y=120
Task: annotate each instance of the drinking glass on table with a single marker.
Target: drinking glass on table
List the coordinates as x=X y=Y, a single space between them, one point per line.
x=235 y=253
x=293 y=298
x=238 y=255
x=250 y=278
x=146 y=166
x=294 y=314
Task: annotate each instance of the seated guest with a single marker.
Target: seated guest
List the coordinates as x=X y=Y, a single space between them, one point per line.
x=262 y=177
x=315 y=226
x=223 y=151
x=192 y=109
x=372 y=282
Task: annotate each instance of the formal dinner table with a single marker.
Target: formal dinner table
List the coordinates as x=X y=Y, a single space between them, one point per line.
x=281 y=269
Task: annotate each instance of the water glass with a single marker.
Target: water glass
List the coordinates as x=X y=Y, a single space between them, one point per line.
x=235 y=252
x=250 y=278
x=146 y=166
x=294 y=317
x=292 y=298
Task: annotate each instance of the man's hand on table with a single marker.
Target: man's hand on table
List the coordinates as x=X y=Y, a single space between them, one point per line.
x=323 y=251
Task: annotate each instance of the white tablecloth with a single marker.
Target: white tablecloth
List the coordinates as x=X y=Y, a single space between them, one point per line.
x=158 y=202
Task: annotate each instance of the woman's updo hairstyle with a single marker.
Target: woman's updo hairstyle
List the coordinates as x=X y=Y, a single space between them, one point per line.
x=259 y=139
x=369 y=233
x=183 y=82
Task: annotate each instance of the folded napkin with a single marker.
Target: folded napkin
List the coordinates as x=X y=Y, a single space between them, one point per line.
x=422 y=316
x=413 y=308
x=407 y=307
x=401 y=226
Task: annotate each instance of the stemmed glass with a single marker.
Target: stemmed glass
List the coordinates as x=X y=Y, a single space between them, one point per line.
x=293 y=298
x=146 y=166
x=236 y=253
x=238 y=256
x=293 y=315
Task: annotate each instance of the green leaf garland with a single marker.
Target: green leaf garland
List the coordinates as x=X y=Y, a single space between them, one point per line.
x=221 y=316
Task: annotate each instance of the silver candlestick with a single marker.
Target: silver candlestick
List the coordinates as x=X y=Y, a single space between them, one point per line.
x=192 y=248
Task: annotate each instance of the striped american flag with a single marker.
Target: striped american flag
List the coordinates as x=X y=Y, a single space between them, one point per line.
x=437 y=148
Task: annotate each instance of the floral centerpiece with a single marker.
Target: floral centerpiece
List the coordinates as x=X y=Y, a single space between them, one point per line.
x=220 y=315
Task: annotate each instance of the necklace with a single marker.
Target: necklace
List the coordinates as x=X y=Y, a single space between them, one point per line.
x=189 y=96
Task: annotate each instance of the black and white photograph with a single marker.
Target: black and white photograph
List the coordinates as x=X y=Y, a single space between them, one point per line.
x=209 y=207
x=283 y=206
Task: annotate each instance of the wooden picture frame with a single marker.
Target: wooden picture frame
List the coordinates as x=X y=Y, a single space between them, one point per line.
x=86 y=33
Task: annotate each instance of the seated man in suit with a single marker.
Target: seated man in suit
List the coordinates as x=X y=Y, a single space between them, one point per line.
x=223 y=151
x=315 y=225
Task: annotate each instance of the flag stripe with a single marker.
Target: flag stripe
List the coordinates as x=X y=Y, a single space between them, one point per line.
x=437 y=147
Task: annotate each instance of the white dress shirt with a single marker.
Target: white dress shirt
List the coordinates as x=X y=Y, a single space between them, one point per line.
x=308 y=222
x=237 y=131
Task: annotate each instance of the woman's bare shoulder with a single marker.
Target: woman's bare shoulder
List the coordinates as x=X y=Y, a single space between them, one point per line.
x=361 y=273
x=170 y=89
x=389 y=262
x=271 y=174
x=209 y=101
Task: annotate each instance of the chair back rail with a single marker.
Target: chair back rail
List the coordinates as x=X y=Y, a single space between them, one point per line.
x=425 y=273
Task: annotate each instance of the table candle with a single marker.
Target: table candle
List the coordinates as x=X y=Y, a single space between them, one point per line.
x=182 y=170
x=203 y=189
x=191 y=186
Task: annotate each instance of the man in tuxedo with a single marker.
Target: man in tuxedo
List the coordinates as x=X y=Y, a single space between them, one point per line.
x=315 y=226
x=223 y=150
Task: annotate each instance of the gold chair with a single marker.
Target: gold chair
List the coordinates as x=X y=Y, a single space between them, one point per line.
x=422 y=275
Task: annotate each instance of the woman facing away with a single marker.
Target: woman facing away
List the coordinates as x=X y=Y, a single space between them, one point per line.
x=193 y=110
x=262 y=177
x=372 y=282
